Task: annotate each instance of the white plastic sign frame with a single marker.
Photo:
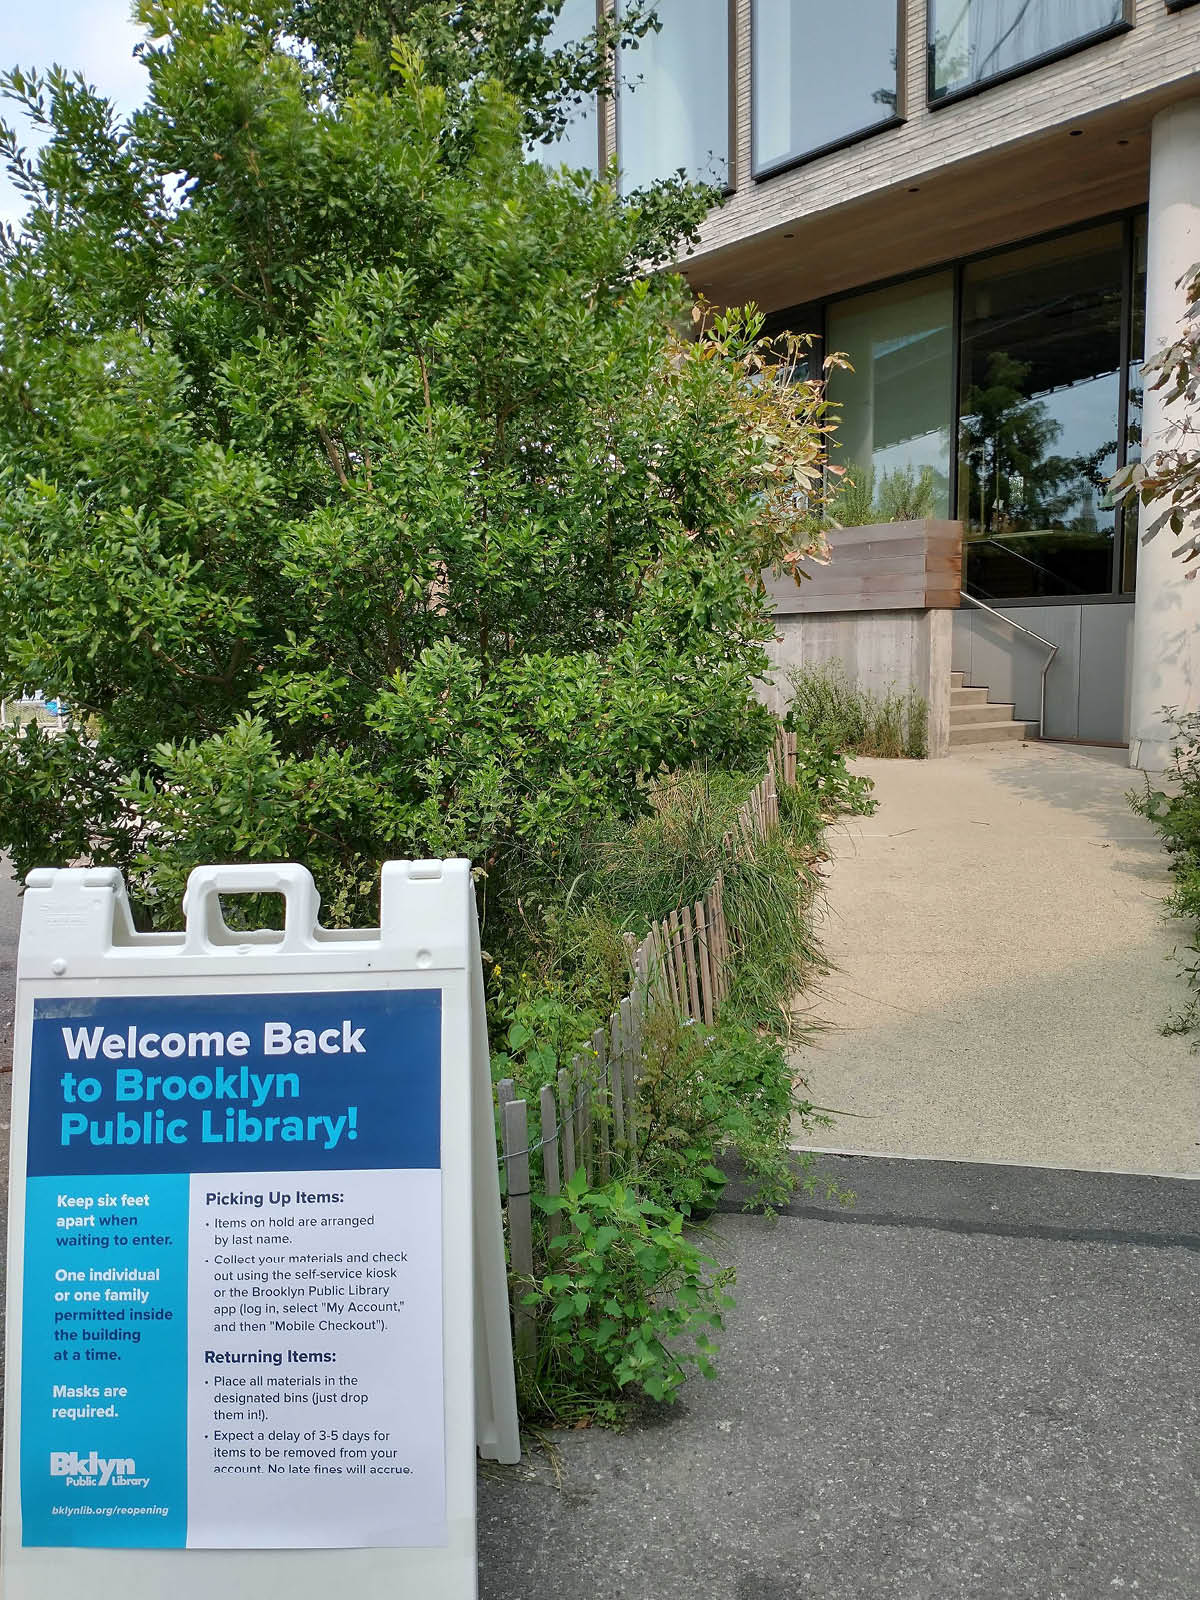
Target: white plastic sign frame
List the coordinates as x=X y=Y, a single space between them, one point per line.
x=78 y=944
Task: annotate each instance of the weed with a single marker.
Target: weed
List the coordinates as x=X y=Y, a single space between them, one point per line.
x=630 y=1302
x=707 y=1092
x=1176 y=816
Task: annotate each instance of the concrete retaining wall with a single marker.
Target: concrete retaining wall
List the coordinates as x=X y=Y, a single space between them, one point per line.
x=881 y=651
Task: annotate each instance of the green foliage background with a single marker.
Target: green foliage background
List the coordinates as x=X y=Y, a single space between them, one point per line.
x=368 y=490
x=359 y=490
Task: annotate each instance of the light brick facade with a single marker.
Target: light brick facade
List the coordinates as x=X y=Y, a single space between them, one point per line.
x=1162 y=51
x=973 y=161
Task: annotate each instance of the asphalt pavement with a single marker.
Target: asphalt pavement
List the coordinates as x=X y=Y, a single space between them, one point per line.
x=977 y=1381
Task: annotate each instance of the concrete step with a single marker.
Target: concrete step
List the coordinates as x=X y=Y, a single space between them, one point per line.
x=991 y=733
x=968 y=697
x=957 y=679
x=963 y=716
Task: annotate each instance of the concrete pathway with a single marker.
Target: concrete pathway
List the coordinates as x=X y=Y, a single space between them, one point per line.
x=1003 y=968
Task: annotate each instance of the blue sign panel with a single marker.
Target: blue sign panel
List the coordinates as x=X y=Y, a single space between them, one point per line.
x=232 y=1249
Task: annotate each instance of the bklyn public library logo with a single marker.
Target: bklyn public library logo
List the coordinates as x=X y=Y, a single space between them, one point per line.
x=95 y=1472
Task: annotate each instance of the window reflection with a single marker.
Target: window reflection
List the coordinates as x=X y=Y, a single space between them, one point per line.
x=974 y=40
x=824 y=70
x=673 y=97
x=1040 y=392
x=579 y=145
x=898 y=403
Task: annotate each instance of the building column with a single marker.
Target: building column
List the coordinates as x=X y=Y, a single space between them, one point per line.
x=1166 y=616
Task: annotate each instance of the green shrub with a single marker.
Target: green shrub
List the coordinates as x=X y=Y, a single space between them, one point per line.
x=706 y=1093
x=827 y=706
x=544 y=1034
x=853 y=506
x=630 y=1304
x=710 y=1092
x=1175 y=813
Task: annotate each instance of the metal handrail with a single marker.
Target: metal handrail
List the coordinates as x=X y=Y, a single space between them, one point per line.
x=1029 y=634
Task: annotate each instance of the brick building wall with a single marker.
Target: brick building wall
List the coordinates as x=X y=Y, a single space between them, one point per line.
x=1160 y=53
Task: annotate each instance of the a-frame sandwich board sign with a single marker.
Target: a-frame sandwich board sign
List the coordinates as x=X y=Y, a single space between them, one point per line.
x=257 y=1306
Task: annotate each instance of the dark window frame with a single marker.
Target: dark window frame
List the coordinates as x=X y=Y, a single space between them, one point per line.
x=1127 y=216
x=731 y=42
x=951 y=97
x=762 y=174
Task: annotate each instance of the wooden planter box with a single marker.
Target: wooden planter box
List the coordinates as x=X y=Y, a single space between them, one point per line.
x=886 y=566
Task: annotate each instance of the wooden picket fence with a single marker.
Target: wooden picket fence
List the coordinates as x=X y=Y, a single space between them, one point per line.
x=589 y=1117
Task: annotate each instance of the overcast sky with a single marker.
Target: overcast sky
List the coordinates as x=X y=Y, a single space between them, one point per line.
x=95 y=37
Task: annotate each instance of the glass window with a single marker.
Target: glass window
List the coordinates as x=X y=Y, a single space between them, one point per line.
x=824 y=70
x=673 y=97
x=1040 y=396
x=974 y=40
x=898 y=403
x=580 y=143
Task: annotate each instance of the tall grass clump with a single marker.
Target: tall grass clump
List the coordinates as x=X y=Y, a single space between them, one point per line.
x=827 y=706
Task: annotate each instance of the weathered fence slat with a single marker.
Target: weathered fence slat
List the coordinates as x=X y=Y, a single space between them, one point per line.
x=506 y=1090
x=618 y=1058
x=599 y=1113
x=579 y=1099
x=689 y=951
x=712 y=910
x=704 y=956
x=668 y=965
x=631 y=1043
x=549 y=1110
x=722 y=928
x=677 y=962
x=633 y=1072
x=617 y=1087
x=656 y=978
x=515 y=1128
x=566 y=1124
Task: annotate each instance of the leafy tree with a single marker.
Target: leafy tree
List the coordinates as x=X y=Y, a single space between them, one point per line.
x=1170 y=477
x=358 y=490
x=469 y=45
